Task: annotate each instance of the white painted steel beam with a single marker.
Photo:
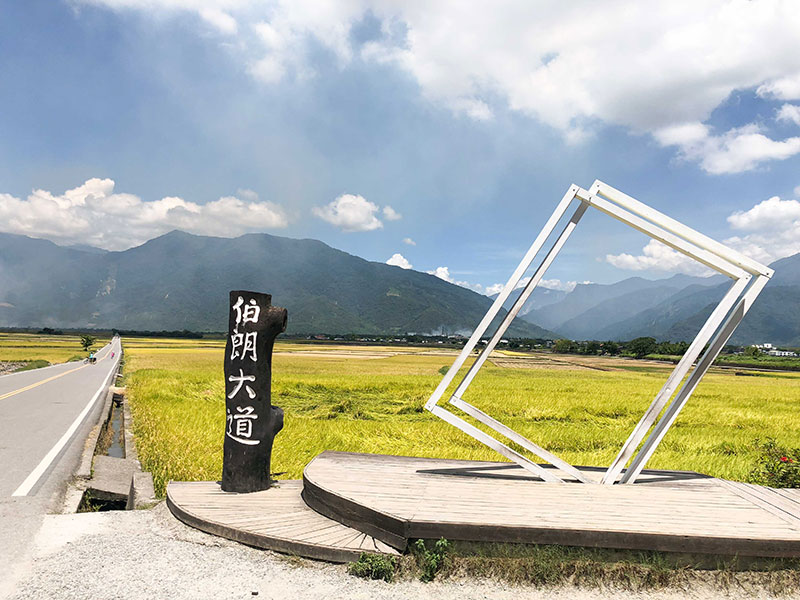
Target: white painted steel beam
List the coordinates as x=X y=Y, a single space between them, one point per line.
x=688 y=388
x=674 y=380
x=499 y=447
x=494 y=310
x=481 y=416
x=523 y=298
x=687 y=233
x=675 y=242
x=717 y=329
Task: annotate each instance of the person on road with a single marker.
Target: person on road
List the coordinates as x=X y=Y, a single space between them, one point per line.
x=91 y=358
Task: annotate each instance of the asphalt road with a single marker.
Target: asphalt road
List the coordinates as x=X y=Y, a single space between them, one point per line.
x=45 y=417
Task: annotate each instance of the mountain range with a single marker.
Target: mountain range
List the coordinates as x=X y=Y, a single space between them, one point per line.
x=181 y=281
x=671 y=309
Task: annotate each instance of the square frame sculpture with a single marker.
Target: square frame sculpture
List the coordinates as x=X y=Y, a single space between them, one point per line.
x=749 y=278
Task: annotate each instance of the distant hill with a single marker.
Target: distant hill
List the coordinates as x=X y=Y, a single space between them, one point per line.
x=181 y=281
x=674 y=309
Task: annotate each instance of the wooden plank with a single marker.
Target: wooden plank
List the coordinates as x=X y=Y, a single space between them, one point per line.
x=413 y=497
x=259 y=531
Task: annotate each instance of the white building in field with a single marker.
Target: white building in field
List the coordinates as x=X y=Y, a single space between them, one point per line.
x=781 y=353
x=765 y=346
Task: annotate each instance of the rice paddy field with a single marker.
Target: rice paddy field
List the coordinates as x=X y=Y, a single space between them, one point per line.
x=370 y=399
x=29 y=347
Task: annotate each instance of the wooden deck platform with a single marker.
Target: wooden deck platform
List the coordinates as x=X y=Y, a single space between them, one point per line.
x=395 y=498
x=275 y=519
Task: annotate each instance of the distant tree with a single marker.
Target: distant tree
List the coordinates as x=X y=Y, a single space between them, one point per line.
x=611 y=348
x=593 y=347
x=641 y=346
x=752 y=352
x=563 y=346
x=87 y=341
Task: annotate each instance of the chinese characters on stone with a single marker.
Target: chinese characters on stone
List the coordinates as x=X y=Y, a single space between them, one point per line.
x=243 y=346
x=240 y=425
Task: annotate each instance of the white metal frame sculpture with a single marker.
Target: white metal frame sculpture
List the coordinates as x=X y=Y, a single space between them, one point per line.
x=749 y=278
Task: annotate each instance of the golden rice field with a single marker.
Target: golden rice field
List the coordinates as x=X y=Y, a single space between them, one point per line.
x=28 y=347
x=370 y=399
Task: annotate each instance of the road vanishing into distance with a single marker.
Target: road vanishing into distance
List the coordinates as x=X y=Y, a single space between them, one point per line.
x=45 y=417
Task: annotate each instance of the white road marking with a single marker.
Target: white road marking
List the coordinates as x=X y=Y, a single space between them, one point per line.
x=40 y=469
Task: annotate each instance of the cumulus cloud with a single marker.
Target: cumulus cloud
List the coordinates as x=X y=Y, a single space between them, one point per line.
x=549 y=284
x=398 y=260
x=391 y=214
x=493 y=289
x=94 y=214
x=739 y=149
x=658 y=257
x=444 y=274
x=644 y=66
x=350 y=213
x=790 y=113
x=770 y=230
x=408 y=241
x=773 y=229
x=783 y=88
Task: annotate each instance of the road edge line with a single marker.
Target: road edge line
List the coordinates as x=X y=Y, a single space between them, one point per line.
x=33 y=478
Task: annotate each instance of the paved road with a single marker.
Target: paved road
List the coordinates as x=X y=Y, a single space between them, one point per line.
x=45 y=416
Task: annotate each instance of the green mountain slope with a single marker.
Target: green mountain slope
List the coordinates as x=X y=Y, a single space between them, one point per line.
x=181 y=281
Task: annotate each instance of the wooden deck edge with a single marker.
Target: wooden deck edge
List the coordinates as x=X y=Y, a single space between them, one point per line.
x=383 y=527
x=395 y=531
x=617 y=540
x=277 y=544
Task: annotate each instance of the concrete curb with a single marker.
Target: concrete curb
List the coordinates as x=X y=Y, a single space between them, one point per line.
x=85 y=469
x=140 y=492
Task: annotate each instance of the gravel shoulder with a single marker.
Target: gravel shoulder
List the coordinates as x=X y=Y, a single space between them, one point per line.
x=150 y=554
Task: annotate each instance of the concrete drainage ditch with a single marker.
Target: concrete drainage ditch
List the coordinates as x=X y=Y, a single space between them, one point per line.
x=110 y=476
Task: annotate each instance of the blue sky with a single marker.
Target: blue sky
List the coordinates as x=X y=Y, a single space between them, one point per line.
x=367 y=123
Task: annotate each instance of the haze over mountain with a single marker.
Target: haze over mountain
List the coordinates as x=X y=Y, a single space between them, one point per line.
x=671 y=309
x=181 y=281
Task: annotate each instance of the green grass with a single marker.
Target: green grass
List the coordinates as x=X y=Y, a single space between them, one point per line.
x=338 y=402
x=764 y=361
x=34 y=364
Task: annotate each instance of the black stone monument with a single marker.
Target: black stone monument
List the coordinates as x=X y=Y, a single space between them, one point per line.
x=251 y=421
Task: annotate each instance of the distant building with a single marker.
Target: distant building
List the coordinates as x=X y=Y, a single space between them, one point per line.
x=765 y=346
x=781 y=353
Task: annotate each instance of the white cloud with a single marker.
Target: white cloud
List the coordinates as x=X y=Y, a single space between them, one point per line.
x=562 y=286
x=773 y=226
x=350 y=213
x=493 y=289
x=391 y=214
x=790 y=113
x=247 y=194
x=770 y=230
x=549 y=284
x=220 y=19
x=658 y=257
x=398 y=260
x=444 y=273
x=94 y=214
x=739 y=149
x=784 y=88
x=408 y=241
x=645 y=66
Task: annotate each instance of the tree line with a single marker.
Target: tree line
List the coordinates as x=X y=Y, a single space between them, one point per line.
x=638 y=347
